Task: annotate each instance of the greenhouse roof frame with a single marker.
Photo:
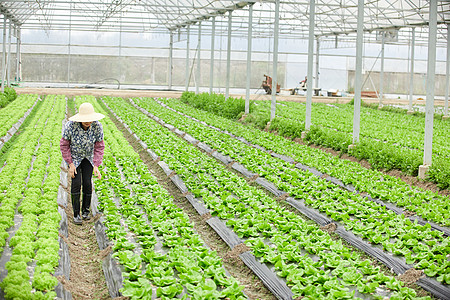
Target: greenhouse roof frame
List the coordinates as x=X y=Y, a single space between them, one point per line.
x=333 y=17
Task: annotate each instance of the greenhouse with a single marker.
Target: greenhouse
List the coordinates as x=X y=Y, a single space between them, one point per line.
x=175 y=149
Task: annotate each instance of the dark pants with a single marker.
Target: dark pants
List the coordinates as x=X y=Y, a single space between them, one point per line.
x=84 y=174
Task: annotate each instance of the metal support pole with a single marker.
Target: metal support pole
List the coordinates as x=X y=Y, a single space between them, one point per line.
x=169 y=71
x=317 y=62
x=18 y=40
x=275 y=60
x=358 y=73
x=447 y=73
x=309 y=79
x=380 y=103
x=211 y=67
x=4 y=54
x=153 y=71
x=68 y=46
x=227 y=86
x=187 y=58
x=8 y=61
x=121 y=75
x=429 y=106
x=249 y=58
x=197 y=75
x=411 y=75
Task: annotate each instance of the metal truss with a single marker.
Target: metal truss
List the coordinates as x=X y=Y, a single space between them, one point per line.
x=334 y=18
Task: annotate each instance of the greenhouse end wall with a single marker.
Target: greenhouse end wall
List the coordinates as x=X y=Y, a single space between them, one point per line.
x=153 y=71
x=88 y=69
x=397 y=83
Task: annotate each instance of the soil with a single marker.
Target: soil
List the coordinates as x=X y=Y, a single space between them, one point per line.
x=283 y=197
x=87 y=280
x=176 y=94
x=232 y=257
x=71 y=92
x=415 y=181
x=254 y=288
x=408 y=213
x=410 y=276
x=230 y=164
x=206 y=217
x=329 y=228
x=253 y=178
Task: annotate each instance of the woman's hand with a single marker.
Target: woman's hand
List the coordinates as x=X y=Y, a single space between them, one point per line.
x=72 y=170
x=97 y=172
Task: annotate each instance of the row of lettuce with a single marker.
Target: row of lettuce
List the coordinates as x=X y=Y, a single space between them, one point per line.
x=8 y=96
x=313 y=264
x=14 y=111
x=420 y=245
x=429 y=205
x=29 y=181
x=392 y=128
x=165 y=257
x=388 y=141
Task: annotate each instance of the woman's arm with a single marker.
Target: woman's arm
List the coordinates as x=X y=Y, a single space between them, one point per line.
x=98 y=153
x=98 y=157
x=64 y=145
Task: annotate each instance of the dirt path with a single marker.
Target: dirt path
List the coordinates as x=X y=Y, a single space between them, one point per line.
x=87 y=280
x=70 y=92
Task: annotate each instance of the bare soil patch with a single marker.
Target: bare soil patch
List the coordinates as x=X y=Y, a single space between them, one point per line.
x=253 y=178
x=98 y=92
x=415 y=181
x=408 y=213
x=71 y=92
x=87 y=280
x=206 y=217
x=329 y=228
x=232 y=256
x=283 y=197
x=410 y=276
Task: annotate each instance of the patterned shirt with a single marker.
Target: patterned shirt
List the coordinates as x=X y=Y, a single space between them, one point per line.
x=83 y=143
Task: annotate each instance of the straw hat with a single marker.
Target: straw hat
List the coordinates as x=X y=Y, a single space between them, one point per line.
x=86 y=113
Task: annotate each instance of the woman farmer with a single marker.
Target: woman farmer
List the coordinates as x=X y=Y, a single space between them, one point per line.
x=82 y=148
